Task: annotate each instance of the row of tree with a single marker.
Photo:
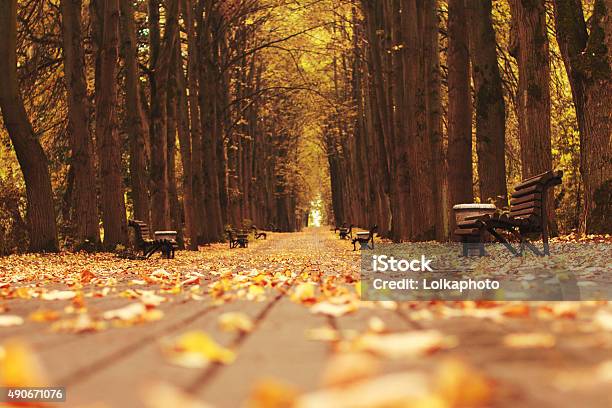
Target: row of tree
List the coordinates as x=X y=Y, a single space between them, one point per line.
x=427 y=75
x=168 y=119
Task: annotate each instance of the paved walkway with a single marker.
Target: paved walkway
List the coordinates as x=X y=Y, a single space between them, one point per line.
x=309 y=332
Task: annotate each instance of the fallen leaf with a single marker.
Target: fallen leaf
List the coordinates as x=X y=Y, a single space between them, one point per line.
x=461 y=386
x=82 y=323
x=408 y=389
x=87 y=276
x=345 y=368
x=331 y=309
x=196 y=349
x=19 y=366
x=304 y=293
x=131 y=311
x=10 y=320
x=44 y=315
x=604 y=319
x=58 y=295
x=192 y=280
x=376 y=325
x=324 y=333
x=529 y=340
x=407 y=344
x=235 y=322
x=149 y=298
x=271 y=393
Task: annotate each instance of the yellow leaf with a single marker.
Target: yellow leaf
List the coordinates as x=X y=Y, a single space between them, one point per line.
x=271 y=393
x=10 y=320
x=196 y=349
x=58 y=295
x=331 y=309
x=529 y=340
x=461 y=386
x=325 y=333
x=304 y=292
x=44 y=315
x=19 y=366
x=407 y=344
x=345 y=368
x=235 y=322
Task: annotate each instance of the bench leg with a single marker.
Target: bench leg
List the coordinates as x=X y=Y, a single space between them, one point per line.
x=504 y=242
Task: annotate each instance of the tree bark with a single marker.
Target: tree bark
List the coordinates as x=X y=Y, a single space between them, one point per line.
x=30 y=154
x=85 y=209
x=587 y=59
x=160 y=62
x=434 y=117
x=112 y=202
x=459 y=108
x=194 y=64
x=530 y=48
x=490 y=106
x=136 y=121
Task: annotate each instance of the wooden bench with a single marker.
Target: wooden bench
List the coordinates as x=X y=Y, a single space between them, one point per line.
x=346 y=233
x=237 y=238
x=258 y=234
x=526 y=217
x=364 y=239
x=165 y=241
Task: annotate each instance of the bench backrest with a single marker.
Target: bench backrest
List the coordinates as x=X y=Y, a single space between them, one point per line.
x=231 y=235
x=141 y=230
x=528 y=201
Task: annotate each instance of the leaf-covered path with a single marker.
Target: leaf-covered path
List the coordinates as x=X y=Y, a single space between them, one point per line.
x=281 y=323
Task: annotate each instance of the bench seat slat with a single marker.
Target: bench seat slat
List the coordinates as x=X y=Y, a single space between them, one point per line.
x=527 y=211
x=526 y=205
x=467 y=231
x=524 y=199
x=536 y=188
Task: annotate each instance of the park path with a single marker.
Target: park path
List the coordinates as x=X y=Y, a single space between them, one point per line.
x=312 y=340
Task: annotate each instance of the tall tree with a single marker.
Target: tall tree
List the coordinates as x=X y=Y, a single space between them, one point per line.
x=85 y=209
x=490 y=106
x=109 y=146
x=434 y=117
x=194 y=64
x=136 y=121
x=185 y=147
x=30 y=154
x=160 y=56
x=530 y=48
x=459 y=107
x=587 y=58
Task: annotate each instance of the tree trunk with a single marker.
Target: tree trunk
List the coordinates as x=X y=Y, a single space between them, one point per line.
x=112 y=202
x=186 y=156
x=587 y=59
x=434 y=116
x=533 y=98
x=159 y=62
x=194 y=64
x=171 y=124
x=30 y=154
x=136 y=122
x=85 y=208
x=459 y=108
x=490 y=107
